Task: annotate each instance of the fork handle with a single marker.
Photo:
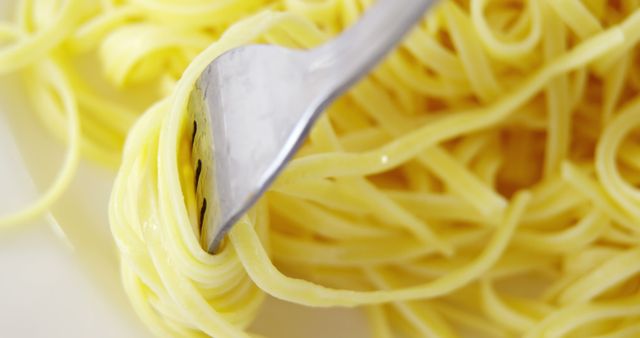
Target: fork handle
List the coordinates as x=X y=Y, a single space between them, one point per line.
x=347 y=58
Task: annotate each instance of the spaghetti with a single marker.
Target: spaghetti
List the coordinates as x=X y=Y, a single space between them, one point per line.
x=482 y=179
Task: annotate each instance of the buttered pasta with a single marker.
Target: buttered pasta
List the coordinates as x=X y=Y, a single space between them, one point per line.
x=484 y=178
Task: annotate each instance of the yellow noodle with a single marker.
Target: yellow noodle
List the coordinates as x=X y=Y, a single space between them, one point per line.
x=501 y=312
x=482 y=179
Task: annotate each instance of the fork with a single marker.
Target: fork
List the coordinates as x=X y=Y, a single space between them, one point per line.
x=253 y=106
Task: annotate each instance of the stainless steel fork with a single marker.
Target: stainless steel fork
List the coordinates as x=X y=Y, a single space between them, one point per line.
x=253 y=106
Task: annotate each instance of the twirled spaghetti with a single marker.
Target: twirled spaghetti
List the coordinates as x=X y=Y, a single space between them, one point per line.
x=482 y=179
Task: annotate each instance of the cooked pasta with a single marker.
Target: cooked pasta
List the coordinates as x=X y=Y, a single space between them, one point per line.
x=484 y=178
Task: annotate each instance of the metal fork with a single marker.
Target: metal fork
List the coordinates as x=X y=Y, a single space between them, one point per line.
x=253 y=106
